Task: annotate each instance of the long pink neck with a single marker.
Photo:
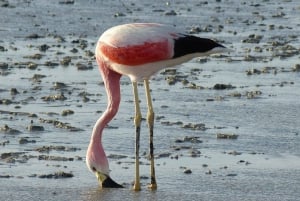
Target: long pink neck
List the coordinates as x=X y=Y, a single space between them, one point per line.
x=112 y=84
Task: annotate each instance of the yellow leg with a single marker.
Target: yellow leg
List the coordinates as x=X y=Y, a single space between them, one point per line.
x=150 y=120
x=137 y=123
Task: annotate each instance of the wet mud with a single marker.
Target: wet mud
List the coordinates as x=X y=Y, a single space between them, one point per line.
x=226 y=126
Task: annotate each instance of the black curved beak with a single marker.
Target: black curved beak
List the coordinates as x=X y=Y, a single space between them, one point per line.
x=106 y=182
x=109 y=183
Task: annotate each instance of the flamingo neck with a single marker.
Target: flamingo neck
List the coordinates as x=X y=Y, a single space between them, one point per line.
x=112 y=85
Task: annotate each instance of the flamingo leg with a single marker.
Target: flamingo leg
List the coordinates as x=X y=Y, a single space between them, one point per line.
x=150 y=121
x=137 y=123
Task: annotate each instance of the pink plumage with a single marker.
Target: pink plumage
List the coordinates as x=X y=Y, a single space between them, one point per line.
x=138 y=50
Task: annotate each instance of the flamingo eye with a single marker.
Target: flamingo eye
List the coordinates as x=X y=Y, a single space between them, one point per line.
x=93 y=169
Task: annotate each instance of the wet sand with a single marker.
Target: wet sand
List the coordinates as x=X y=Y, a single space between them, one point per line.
x=227 y=126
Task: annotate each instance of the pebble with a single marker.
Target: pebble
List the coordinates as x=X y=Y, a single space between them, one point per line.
x=74 y=50
x=81 y=66
x=55 y=97
x=194 y=86
x=11 y=157
x=6 y=102
x=34 y=128
x=194 y=153
x=170 y=13
x=24 y=140
x=199 y=126
x=204 y=165
x=66 y=2
x=234 y=153
x=2 y=49
x=223 y=86
x=37 y=77
x=187 y=171
x=4 y=143
x=7 y=130
x=66 y=61
x=32 y=66
x=266 y=70
x=33 y=36
x=296 y=68
x=226 y=136
x=14 y=91
x=3 y=66
x=44 y=47
x=5 y=176
x=163 y=155
x=231 y=175
x=67 y=112
x=253 y=94
x=51 y=64
x=192 y=139
x=253 y=38
x=119 y=14
x=35 y=56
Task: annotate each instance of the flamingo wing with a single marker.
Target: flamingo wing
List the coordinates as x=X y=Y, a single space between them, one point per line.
x=139 y=43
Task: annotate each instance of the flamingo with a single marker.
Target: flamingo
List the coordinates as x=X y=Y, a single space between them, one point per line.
x=138 y=50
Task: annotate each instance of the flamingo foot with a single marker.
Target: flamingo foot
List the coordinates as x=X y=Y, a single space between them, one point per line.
x=152 y=187
x=136 y=187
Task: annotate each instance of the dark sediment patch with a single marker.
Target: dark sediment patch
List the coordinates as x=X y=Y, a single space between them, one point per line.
x=25 y=140
x=296 y=68
x=56 y=148
x=81 y=66
x=197 y=126
x=67 y=112
x=7 y=130
x=6 y=176
x=59 y=85
x=223 y=86
x=6 y=101
x=55 y=97
x=192 y=139
x=234 y=153
x=56 y=175
x=116 y=156
x=13 y=157
x=54 y=158
x=35 y=128
x=37 y=77
x=36 y=56
x=66 y=61
x=226 y=136
x=187 y=171
x=28 y=114
x=247 y=94
x=59 y=124
x=4 y=143
x=162 y=155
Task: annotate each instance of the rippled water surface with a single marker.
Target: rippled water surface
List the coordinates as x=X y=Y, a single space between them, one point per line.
x=260 y=103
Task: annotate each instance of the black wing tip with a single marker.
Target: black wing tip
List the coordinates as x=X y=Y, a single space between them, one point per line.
x=109 y=183
x=188 y=44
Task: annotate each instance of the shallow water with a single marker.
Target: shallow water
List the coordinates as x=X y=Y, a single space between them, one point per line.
x=261 y=164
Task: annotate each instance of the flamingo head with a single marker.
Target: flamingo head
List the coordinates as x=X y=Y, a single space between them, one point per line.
x=97 y=162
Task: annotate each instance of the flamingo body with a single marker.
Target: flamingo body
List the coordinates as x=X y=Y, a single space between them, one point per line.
x=139 y=51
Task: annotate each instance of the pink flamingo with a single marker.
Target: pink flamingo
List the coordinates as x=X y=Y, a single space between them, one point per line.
x=138 y=50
